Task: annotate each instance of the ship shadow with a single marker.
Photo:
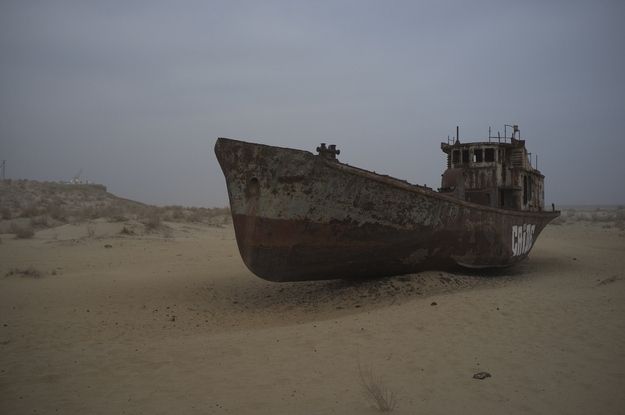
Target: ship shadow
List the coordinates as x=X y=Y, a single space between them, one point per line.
x=529 y=267
x=245 y=301
x=254 y=302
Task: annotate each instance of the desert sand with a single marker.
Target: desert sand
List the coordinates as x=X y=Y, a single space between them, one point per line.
x=98 y=320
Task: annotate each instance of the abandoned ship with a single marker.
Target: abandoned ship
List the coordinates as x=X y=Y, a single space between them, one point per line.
x=299 y=216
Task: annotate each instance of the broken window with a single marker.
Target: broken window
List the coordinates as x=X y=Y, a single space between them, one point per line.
x=456 y=156
x=478 y=155
x=465 y=156
x=489 y=155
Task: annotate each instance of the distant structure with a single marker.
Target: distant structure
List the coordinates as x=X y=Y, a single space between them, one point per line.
x=77 y=180
x=3 y=169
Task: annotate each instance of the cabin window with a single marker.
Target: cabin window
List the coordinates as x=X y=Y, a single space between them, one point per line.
x=478 y=155
x=525 y=190
x=456 y=156
x=489 y=155
x=465 y=156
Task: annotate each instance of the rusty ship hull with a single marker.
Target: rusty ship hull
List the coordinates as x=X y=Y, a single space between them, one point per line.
x=299 y=217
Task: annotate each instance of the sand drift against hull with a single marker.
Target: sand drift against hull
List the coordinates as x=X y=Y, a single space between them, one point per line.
x=299 y=216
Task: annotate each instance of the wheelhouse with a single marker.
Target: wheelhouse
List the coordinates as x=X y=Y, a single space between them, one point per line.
x=497 y=173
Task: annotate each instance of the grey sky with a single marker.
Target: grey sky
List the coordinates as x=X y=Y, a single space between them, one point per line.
x=135 y=92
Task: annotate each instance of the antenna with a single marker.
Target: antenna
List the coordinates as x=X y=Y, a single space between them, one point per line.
x=515 y=131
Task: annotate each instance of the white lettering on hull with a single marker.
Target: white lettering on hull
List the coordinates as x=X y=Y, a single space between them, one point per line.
x=522 y=238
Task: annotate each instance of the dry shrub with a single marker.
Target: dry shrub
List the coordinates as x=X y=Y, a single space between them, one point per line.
x=111 y=213
x=39 y=221
x=167 y=232
x=56 y=211
x=219 y=212
x=196 y=215
x=117 y=218
x=383 y=398
x=90 y=231
x=152 y=220
x=30 y=272
x=30 y=211
x=22 y=232
x=174 y=213
x=85 y=213
x=177 y=213
x=126 y=231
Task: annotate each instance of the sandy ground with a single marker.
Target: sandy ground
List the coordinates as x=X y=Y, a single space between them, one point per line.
x=177 y=324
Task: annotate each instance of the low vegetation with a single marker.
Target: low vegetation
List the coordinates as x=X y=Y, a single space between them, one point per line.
x=607 y=217
x=374 y=389
x=127 y=231
x=30 y=272
x=27 y=206
x=152 y=219
x=22 y=231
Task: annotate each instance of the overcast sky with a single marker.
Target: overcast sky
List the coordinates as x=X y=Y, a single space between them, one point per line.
x=136 y=92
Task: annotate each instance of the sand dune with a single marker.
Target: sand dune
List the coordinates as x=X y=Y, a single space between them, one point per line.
x=173 y=322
